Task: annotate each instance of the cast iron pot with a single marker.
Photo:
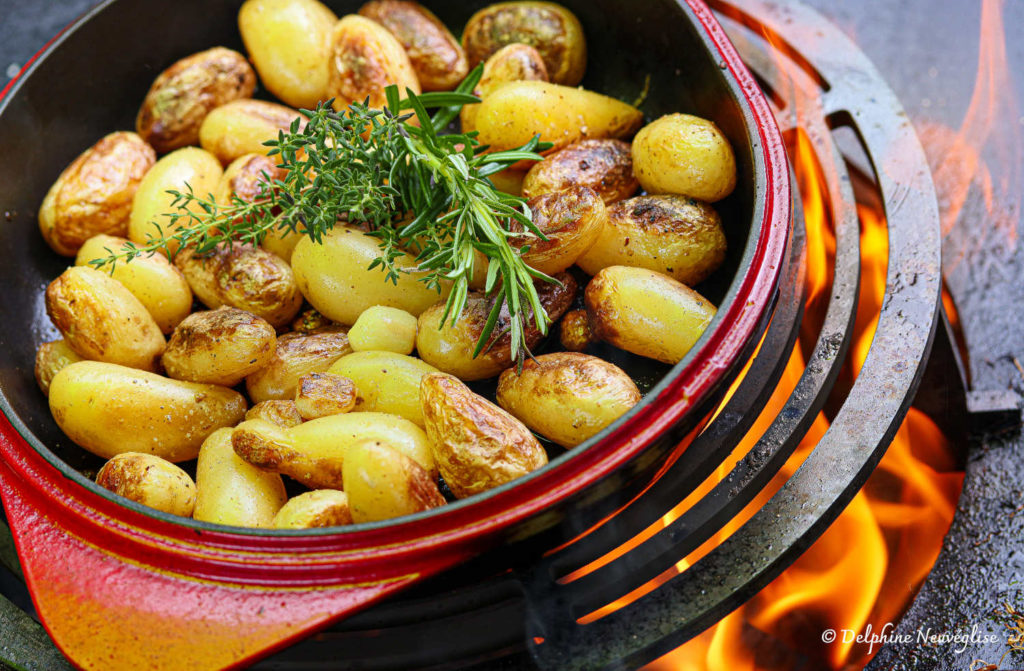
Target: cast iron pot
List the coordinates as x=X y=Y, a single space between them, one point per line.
x=118 y=585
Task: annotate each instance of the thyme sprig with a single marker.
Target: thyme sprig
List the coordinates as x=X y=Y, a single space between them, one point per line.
x=413 y=187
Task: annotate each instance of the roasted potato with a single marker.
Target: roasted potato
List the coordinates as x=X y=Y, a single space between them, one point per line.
x=552 y=29
x=246 y=176
x=435 y=54
x=159 y=286
x=606 y=166
x=232 y=492
x=513 y=63
x=567 y=397
x=151 y=481
x=184 y=94
x=382 y=483
x=574 y=332
x=477 y=445
x=311 y=321
x=383 y=329
x=287 y=41
x=571 y=220
x=684 y=155
x=385 y=382
x=282 y=413
x=365 y=59
x=94 y=194
x=110 y=409
x=322 y=394
x=450 y=348
x=646 y=313
x=51 y=357
x=219 y=347
x=296 y=355
x=242 y=126
x=311 y=510
x=101 y=320
x=509 y=181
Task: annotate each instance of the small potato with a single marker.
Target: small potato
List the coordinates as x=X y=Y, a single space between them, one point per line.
x=184 y=94
x=151 y=278
x=382 y=483
x=383 y=329
x=282 y=413
x=567 y=397
x=646 y=313
x=219 y=347
x=246 y=176
x=685 y=155
x=365 y=59
x=322 y=394
x=511 y=116
x=571 y=220
x=552 y=29
x=232 y=492
x=312 y=510
x=336 y=279
x=477 y=445
x=101 y=320
x=242 y=126
x=109 y=409
x=513 y=63
x=606 y=166
x=435 y=54
x=311 y=321
x=51 y=357
x=94 y=194
x=177 y=171
x=287 y=41
x=296 y=355
x=246 y=277
x=385 y=382
x=674 y=235
x=151 y=481
x=450 y=348
x=574 y=333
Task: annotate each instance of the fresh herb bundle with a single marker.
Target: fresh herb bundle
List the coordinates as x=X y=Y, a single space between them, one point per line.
x=375 y=169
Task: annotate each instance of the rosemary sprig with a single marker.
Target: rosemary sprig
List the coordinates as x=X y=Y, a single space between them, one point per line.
x=376 y=169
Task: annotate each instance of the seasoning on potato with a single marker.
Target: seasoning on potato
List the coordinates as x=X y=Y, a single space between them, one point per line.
x=365 y=59
x=574 y=331
x=219 y=347
x=241 y=127
x=282 y=413
x=513 y=63
x=382 y=483
x=51 y=357
x=151 y=481
x=316 y=509
x=606 y=166
x=384 y=329
x=685 y=155
x=232 y=492
x=296 y=355
x=385 y=382
x=323 y=394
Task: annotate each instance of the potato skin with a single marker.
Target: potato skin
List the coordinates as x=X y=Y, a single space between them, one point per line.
x=382 y=483
x=101 y=320
x=316 y=509
x=244 y=178
x=296 y=355
x=282 y=413
x=385 y=382
x=219 y=347
x=685 y=155
x=606 y=166
x=512 y=63
x=572 y=221
x=646 y=313
x=94 y=194
x=288 y=43
x=151 y=481
x=232 y=492
x=574 y=332
x=384 y=329
x=323 y=394
x=51 y=357
x=477 y=445
x=365 y=59
x=550 y=28
x=241 y=127
x=184 y=94
x=674 y=235
x=436 y=56
x=567 y=397
x=110 y=409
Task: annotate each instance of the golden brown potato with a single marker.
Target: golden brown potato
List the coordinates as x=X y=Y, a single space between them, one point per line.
x=242 y=126
x=512 y=63
x=385 y=382
x=246 y=176
x=435 y=54
x=552 y=29
x=94 y=194
x=51 y=357
x=477 y=445
x=288 y=43
x=606 y=166
x=646 y=313
x=282 y=413
x=450 y=348
x=383 y=329
x=567 y=397
x=109 y=409
x=366 y=59
x=574 y=333
x=246 y=277
x=684 y=155
x=101 y=320
x=151 y=278
x=151 y=481
x=571 y=220
x=312 y=510
x=675 y=235
x=322 y=394
x=296 y=355
x=382 y=483
x=509 y=181
x=184 y=94
x=219 y=347
x=232 y=492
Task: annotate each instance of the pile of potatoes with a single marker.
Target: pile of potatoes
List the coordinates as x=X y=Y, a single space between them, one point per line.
x=291 y=358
